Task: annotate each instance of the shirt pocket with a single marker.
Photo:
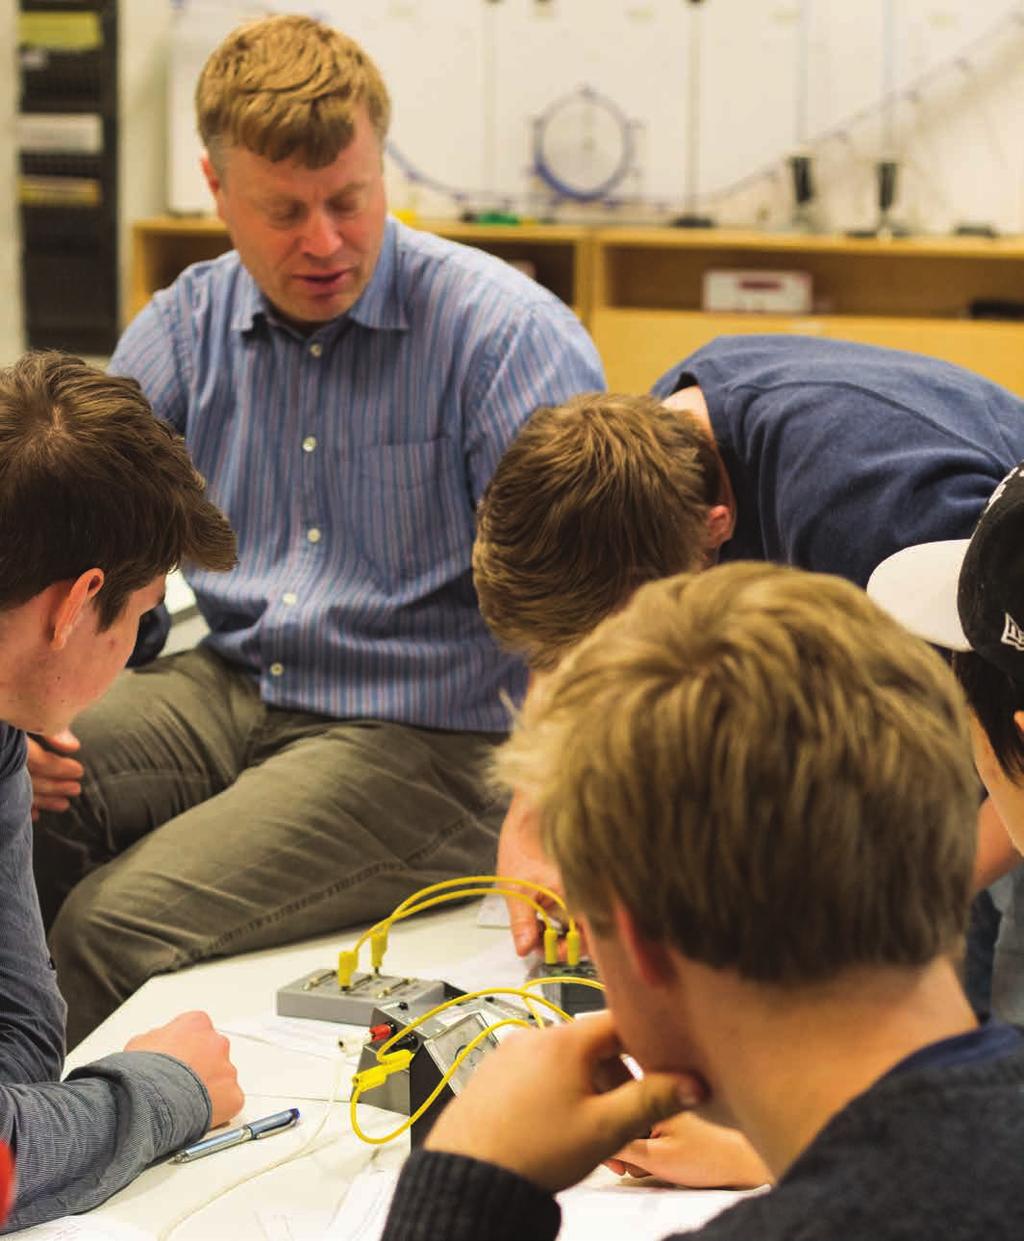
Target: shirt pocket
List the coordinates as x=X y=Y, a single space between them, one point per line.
x=412 y=518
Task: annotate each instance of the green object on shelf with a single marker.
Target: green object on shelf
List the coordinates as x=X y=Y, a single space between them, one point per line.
x=496 y=217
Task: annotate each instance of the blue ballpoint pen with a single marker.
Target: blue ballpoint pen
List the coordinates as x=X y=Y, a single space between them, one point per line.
x=251 y=1132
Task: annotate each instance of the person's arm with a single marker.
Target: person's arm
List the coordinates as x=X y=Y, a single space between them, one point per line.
x=490 y=1163
x=77 y=1142
x=521 y=856
x=997 y=855
x=542 y=356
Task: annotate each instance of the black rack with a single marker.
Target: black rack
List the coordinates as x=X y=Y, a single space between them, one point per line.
x=69 y=209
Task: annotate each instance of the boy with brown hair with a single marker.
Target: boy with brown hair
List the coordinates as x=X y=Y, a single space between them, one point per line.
x=758 y=789
x=347 y=384
x=818 y=453
x=98 y=501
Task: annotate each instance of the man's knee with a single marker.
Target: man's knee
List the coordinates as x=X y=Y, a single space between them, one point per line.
x=104 y=947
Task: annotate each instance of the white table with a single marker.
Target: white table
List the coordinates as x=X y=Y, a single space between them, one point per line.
x=311 y=1188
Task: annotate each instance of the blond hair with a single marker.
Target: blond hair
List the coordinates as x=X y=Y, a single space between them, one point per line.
x=288 y=86
x=591 y=499
x=764 y=769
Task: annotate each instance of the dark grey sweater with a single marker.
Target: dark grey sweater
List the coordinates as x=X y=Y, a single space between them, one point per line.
x=78 y=1141
x=924 y=1154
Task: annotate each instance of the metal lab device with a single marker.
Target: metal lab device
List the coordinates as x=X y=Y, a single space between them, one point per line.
x=757 y=292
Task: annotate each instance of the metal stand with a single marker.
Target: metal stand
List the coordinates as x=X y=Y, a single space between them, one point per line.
x=691 y=217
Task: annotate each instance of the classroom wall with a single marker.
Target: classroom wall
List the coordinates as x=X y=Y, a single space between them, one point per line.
x=10 y=277
x=470 y=76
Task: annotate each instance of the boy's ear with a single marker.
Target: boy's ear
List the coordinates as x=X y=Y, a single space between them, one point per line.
x=70 y=603
x=1018 y=719
x=649 y=958
x=721 y=522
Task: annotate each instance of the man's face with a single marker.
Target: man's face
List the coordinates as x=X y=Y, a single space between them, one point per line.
x=1007 y=793
x=84 y=668
x=310 y=238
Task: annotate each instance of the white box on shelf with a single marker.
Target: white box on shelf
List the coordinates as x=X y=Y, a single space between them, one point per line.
x=761 y=292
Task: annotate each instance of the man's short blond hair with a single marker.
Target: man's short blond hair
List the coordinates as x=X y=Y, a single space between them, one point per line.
x=285 y=87
x=591 y=499
x=763 y=768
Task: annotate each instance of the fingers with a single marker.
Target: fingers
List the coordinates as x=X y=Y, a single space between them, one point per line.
x=64 y=740
x=622 y=1167
x=597 y=1037
x=525 y=928
x=634 y=1157
x=56 y=804
x=44 y=765
x=631 y=1110
x=55 y=778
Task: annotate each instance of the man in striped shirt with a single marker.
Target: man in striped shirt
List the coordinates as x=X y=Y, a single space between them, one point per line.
x=347 y=386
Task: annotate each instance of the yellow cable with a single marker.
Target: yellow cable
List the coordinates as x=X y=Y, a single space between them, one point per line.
x=550 y=893
x=580 y=982
x=406 y=1124
x=391 y=1062
x=455 y=889
x=386 y=923
x=462 y=999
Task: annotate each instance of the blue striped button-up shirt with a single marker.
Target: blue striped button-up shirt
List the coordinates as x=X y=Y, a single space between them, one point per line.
x=350 y=462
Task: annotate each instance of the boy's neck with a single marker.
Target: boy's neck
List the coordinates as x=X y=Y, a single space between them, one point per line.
x=785 y=1061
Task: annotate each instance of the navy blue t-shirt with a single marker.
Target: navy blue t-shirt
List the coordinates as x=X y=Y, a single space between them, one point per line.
x=841 y=454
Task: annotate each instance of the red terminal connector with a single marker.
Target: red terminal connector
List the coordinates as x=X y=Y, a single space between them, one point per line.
x=379 y=1033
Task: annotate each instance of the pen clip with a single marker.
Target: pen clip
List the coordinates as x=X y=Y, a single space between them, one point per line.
x=273 y=1124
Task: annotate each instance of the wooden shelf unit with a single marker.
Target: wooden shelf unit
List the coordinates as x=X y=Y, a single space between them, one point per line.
x=904 y=293
x=639 y=290
x=560 y=255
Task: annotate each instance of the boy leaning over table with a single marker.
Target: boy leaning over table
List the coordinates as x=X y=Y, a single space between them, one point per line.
x=98 y=501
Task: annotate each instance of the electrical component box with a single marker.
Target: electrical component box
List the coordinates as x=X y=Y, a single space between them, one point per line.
x=435 y=1046
x=762 y=292
x=318 y=995
x=572 y=998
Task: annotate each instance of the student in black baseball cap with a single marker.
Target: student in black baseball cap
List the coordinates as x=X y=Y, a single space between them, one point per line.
x=967 y=595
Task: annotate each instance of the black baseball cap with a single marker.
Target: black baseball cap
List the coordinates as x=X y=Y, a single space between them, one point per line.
x=966 y=594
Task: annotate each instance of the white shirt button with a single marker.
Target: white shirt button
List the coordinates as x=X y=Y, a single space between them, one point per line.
x=316 y=349
x=276 y=670
x=289 y=597
x=313 y=534
x=309 y=443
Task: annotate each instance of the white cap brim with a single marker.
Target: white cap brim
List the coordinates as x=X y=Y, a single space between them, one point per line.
x=918 y=586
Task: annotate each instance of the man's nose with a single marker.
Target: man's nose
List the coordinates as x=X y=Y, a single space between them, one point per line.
x=321 y=238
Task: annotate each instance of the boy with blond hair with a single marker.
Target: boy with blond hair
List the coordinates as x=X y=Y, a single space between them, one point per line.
x=758 y=789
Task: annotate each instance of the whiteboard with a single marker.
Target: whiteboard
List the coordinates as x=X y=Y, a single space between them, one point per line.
x=470 y=78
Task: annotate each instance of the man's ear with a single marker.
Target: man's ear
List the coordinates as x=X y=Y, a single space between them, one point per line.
x=721 y=521
x=1018 y=719
x=70 y=604
x=649 y=958
x=213 y=179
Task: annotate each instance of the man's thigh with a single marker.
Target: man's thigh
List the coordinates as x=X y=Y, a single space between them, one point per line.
x=163 y=739
x=334 y=828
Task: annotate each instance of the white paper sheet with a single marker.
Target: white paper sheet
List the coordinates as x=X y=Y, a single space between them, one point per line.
x=602 y=1209
x=493 y=912
x=298 y=1034
x=85 y=1228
